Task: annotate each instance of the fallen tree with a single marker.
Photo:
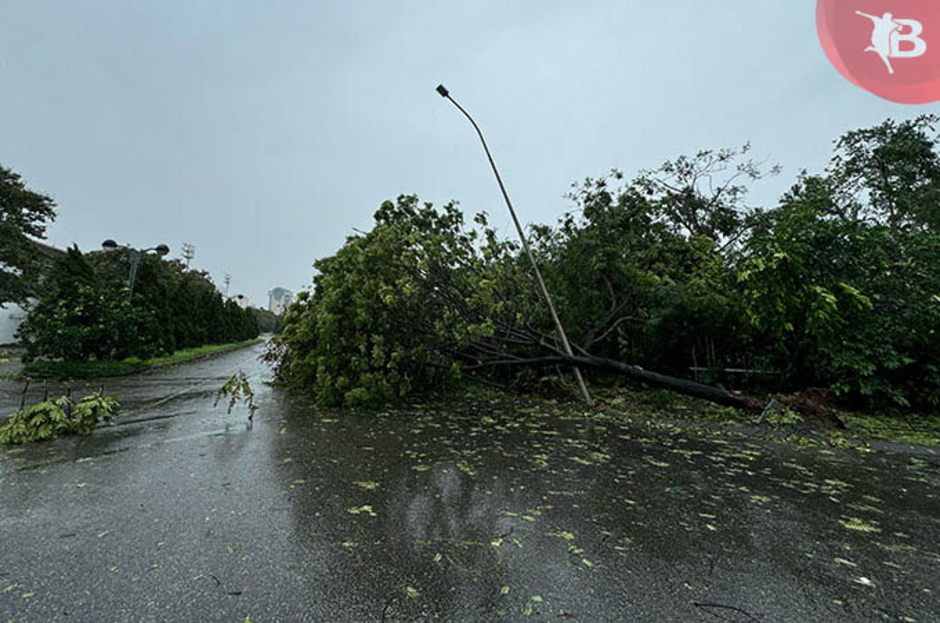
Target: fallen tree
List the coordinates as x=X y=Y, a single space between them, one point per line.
x=668 y=272
x=420 y=301
x=694 y=389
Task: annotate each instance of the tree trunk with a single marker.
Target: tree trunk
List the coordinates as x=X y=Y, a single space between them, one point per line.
x=680 y=386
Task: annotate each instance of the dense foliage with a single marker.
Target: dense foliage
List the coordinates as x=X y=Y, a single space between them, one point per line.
x=24 y=214
x=267 y=321
x=838 y=285
x=85 y=312
x=371 y=331
x=60 y=416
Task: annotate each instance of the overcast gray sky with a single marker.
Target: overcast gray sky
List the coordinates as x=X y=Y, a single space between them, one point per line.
x=264 y=132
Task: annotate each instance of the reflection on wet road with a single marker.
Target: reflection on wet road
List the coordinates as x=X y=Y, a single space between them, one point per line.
x=495 y=509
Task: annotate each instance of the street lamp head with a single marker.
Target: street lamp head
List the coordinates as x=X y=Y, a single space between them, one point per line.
x=162 y=250
x=443 y=91
x=109 y=245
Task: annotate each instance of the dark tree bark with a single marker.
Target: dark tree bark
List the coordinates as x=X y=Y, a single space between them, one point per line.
x=681 y=386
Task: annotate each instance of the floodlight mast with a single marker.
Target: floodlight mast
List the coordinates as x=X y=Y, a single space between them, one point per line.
x=525 y=245
x=111 y=245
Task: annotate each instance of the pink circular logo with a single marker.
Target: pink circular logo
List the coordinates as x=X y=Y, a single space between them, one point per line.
x=888 y=47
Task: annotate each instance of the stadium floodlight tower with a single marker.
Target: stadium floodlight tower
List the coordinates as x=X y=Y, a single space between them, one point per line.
x=111 y=245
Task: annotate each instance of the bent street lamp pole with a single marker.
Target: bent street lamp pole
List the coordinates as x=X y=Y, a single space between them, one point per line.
x=525 y=245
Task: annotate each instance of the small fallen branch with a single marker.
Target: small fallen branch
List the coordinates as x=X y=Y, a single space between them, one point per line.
x=60 y=416
x=238 y=389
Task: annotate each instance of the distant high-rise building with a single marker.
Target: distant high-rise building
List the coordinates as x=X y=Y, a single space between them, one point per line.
x=279 y=299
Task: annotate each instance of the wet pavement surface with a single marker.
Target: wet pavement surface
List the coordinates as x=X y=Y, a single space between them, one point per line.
x=493 y=510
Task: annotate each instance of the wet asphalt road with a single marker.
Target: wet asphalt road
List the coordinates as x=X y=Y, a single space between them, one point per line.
x=181 y=512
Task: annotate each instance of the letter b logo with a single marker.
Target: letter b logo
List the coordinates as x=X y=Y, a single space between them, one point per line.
x=890 y=48
x=909 y=35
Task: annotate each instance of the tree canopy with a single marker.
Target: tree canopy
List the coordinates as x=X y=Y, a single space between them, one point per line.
x=24 y=216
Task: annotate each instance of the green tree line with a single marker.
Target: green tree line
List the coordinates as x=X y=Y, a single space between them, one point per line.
x=837 y=285
x=83 y=311
x=78 y=303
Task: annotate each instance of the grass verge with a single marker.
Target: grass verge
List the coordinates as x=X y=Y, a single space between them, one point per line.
x=132 y=365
